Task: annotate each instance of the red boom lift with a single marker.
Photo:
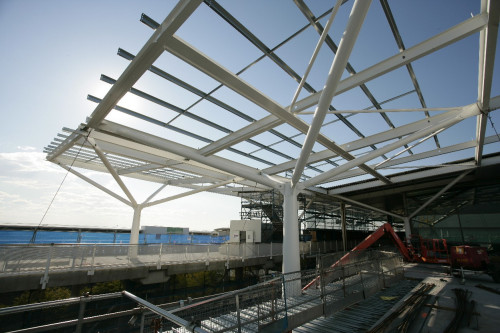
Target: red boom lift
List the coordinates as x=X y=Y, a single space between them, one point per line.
x=418 y=249
x=434 y=251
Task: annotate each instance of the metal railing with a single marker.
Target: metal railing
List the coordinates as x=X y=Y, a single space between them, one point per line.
x=267 y=306
x=19 y=259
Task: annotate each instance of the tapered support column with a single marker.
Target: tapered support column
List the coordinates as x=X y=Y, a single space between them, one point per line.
x=344 y=226
x=291 y=250
x=406 y=221
x=136 y=224
x=134 y=231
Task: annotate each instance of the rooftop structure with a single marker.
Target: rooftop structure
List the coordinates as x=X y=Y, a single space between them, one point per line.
x=238 y=98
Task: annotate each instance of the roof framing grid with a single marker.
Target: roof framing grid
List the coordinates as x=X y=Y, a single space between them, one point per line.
x=265 y=151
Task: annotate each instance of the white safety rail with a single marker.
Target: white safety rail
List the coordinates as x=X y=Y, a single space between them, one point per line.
x=19 y=259
x=263 y=307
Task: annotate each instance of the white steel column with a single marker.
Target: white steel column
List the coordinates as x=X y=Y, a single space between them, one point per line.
x=291 y=251
x=136 y=224
x=358 y=14
x=344 y=226
x=134 y=232
x=407 y=225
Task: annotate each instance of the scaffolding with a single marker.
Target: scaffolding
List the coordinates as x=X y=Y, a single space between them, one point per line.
x=315 y=214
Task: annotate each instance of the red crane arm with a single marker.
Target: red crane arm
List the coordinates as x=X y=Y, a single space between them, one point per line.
x=369 y=241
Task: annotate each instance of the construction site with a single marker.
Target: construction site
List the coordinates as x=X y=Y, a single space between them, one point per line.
x=360 y=141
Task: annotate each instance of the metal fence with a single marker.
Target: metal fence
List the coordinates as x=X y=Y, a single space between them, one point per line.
x=265 y=307
x=20 y=259
x=274 y=306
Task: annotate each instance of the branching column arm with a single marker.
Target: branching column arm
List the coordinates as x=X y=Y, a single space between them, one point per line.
x=356 y=19
x=99 y=186
x=112 y=171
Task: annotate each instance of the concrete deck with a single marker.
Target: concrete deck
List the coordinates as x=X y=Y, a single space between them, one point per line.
x=439 y=309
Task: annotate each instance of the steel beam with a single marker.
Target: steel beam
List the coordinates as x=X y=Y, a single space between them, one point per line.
x=415 y=157
x=364 y=142
x=349 y=68
x=416 y=52
x=99 y=186
x=409 y=67
x=437 y=195
x=467 y=112
x=154 y=194
x=151 y=144
x=190 y=55
x=356 y=19
x=111 y=170
x=321 y=40
x=487 y=49
x=64 y=146
x=188 y=193
x=153 y=48
x=363 y=205
x=450 y=36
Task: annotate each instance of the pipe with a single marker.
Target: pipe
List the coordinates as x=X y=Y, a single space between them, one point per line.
x=165 y=314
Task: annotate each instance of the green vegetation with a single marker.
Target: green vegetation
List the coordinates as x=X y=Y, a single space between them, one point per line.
x=37 y=296
x=103 y=288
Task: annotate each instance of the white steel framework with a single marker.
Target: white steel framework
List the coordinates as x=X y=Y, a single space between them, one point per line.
x=290 y=148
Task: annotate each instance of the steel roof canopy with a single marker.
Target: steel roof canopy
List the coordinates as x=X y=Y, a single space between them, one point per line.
x=229 y=131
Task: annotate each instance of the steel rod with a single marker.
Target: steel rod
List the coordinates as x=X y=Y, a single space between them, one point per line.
x=159 y=311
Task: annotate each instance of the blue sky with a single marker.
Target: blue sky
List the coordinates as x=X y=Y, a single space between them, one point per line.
x=53 y=53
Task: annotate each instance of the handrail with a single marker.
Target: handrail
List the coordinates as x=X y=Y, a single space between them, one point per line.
x=168 y=315
x=267 y=302
x=60 y=302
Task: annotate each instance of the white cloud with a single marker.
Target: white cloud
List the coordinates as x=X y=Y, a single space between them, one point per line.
x=26 y=148
x=28 y=184
x=26 y=162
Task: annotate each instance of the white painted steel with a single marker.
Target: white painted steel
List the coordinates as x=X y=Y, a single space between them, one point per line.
x=99 y=186
x=144 y=59
x=143 y=142
x=356 y=19
x=450 y=36
x=487 y=50
x=189 y=54
x=466 y=113
x=185 y=194
x=112 y=171
x=291 y=249
x=155 y=193
x=365 y=142
x=316 y=52
x=126 y=151
x=134 y=230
